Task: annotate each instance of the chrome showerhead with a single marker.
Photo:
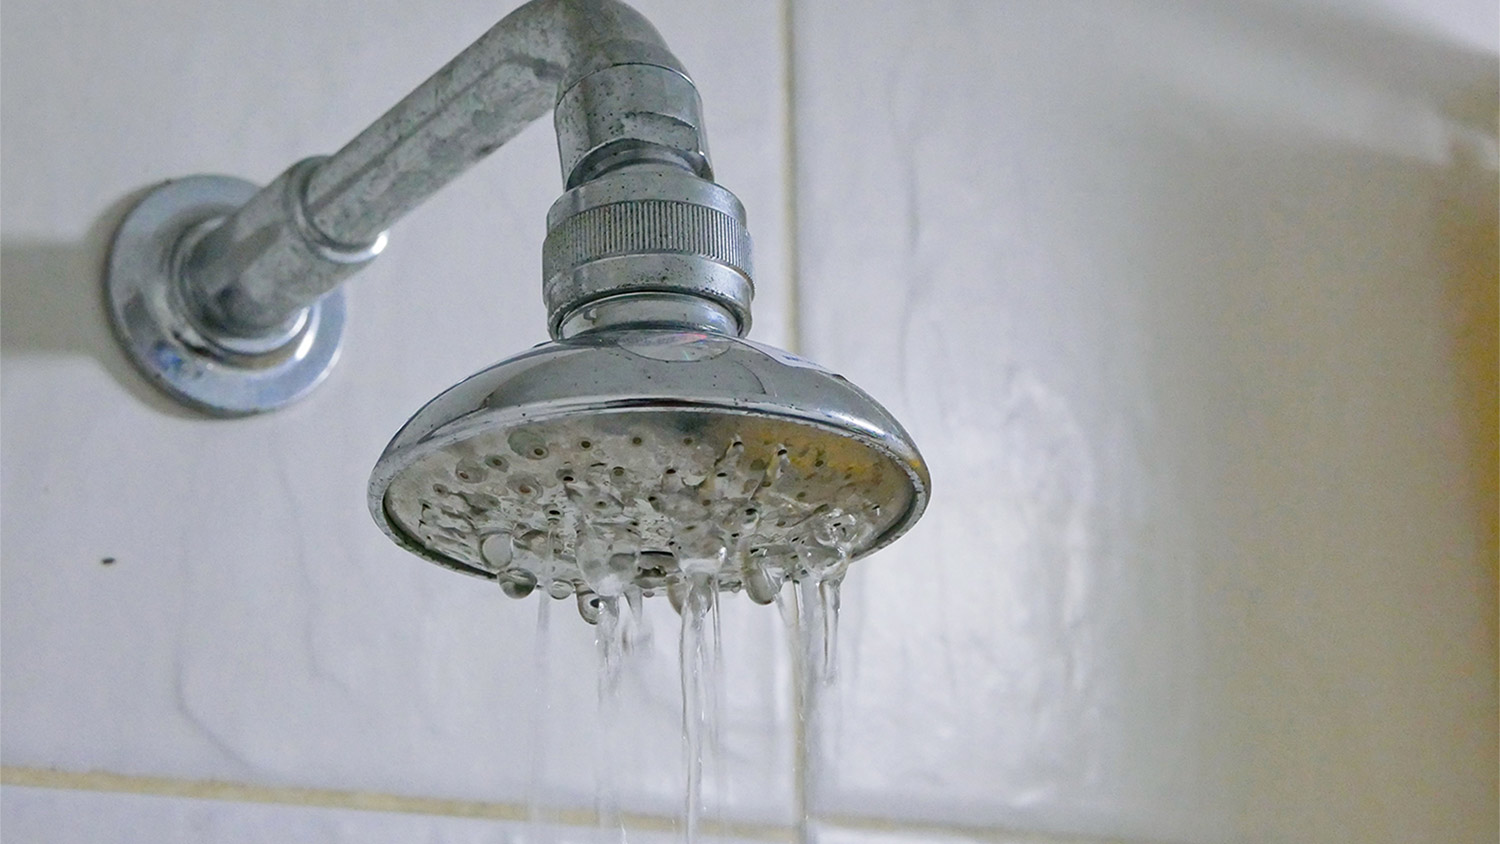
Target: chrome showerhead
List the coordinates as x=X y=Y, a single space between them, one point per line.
x=636 y=458
x=648 y=446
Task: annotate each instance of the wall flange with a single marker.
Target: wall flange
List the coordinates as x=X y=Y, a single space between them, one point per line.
x=215 y=373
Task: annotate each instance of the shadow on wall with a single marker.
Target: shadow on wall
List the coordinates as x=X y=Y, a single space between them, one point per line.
x=52 y=303
x=1468 y=247
x=1463 y=84
x=1311 y=278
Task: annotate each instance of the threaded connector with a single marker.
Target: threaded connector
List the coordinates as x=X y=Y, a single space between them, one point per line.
x=647 y=230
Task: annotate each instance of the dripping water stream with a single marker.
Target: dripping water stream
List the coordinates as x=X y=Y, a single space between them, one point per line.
x=809 y=609
x=611 y=641
x=700 y=681
x=615 y=528
x=540 y=667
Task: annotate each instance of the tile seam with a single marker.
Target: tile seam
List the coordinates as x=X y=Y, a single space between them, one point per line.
x=323 y=798
x=993 y=834
x=792 y=266
x=320 y=798
x=789 y=173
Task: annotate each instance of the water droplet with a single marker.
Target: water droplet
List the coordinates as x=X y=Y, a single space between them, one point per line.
x=589 y=605
x=533 y=542
x=559 y=589
x=517 y=583
x=496 y=550
x=763 y=582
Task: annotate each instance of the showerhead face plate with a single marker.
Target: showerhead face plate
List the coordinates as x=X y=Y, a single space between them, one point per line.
x=635 y=459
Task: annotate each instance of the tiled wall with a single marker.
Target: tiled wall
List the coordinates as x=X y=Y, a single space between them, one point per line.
x=1191 y=307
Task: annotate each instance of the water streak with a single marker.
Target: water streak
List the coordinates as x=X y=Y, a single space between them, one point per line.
x=610 y=639
x=810 y=612
x=717 y=721
x=698 y=603
x=540 y=671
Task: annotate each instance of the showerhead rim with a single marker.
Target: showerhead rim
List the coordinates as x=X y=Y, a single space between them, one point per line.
x=397 y=458
x=834 y=407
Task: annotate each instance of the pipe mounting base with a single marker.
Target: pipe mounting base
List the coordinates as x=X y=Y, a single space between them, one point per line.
x=220 y=376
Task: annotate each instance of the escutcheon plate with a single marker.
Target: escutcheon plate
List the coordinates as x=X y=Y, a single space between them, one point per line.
x=218 y=376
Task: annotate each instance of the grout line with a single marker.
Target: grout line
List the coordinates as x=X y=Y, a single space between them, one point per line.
x=791 y=272
x=789 y=175
x=324 y=798
x=994 y=835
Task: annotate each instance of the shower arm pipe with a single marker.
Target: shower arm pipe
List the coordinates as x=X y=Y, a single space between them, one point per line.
x=620 y=98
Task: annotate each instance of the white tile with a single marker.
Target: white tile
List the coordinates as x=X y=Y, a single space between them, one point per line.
x=256 y=626
x=61 y=816
x=1172 y=300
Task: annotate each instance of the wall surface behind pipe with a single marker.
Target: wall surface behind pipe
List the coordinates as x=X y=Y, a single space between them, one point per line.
x=1192 y=309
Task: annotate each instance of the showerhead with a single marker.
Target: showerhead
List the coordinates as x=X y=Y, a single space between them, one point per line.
x=647 y=447
x=636 y=458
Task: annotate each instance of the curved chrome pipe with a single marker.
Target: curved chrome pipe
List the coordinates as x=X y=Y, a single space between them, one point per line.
x=228 y=312
x=261 y=267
